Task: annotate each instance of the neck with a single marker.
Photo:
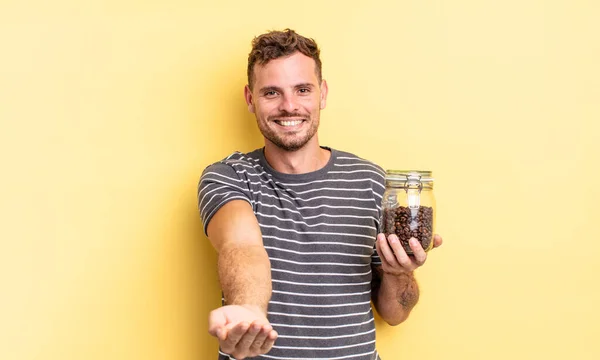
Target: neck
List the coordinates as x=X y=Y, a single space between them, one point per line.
x=309 y=158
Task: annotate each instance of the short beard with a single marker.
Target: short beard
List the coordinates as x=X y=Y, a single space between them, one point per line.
x=280 y=142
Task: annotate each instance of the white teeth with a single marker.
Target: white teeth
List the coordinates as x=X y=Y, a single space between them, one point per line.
x=290 y=123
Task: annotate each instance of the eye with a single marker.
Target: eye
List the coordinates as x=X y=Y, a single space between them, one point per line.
x=271 y=93
x=304 y=90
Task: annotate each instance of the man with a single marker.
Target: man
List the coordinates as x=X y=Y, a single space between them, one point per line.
x=295 y=226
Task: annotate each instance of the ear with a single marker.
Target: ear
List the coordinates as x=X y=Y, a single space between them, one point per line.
x=324 y=90
x=249 y=98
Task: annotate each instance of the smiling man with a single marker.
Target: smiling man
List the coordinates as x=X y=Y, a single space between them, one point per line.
x=287 y=94
x=295 y=226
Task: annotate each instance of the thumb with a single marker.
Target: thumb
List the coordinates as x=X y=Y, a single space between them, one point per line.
x=216 y=321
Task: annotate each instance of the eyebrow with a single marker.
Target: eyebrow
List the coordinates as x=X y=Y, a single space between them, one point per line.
x=269 y=88
x=304 y=85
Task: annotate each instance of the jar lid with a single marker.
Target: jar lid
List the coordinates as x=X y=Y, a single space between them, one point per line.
x=405 y=175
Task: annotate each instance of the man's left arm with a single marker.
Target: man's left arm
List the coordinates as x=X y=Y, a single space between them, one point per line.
x=394 y=288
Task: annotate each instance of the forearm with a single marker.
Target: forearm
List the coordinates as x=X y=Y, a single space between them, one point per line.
x=394 y=296
x=245 y=276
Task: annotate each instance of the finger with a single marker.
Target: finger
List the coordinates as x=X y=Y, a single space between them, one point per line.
x=385 y=253
x=233 y=336
x=437 y=240
x=419 y=254
x=221 y=334
x=396 y=247
x=260 y=339
x=401 y=257
x=380 y=238
x=243 y=345
x=216 y=320
x=268 y=344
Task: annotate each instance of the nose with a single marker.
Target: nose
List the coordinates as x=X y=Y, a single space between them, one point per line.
x=288 y=103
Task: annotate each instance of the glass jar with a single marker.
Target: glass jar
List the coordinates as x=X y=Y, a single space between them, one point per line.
x=408 y=207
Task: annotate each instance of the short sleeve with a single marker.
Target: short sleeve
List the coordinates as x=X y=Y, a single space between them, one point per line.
x=375 y=260
x=378 y=196
x=218 y=185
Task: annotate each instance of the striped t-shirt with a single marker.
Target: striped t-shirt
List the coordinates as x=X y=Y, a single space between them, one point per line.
x=319 y=230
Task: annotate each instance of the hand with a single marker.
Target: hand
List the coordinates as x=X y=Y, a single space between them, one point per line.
x=394 y=259
x=243 y=331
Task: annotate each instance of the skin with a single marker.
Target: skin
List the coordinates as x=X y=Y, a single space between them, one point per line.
x=394 y=288
x=241 y=326
x=288 y=90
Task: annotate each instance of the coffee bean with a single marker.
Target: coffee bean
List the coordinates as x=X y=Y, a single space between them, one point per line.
x=399 y=221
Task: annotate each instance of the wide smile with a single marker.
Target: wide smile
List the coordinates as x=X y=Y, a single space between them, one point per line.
x=290 y=124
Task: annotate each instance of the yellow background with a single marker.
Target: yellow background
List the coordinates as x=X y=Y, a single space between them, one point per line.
x=110 y=111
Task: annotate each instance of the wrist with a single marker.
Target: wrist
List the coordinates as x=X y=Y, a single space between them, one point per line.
x=399 y=273
x=262 y=310
x=398 y=280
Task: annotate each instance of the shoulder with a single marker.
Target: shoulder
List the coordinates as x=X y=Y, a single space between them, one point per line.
x=235 y=163
x=350 y=161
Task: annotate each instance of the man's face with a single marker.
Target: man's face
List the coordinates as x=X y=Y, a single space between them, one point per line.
x=287 y=99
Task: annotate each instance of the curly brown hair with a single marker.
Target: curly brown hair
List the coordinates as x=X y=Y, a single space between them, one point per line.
x=277 y=44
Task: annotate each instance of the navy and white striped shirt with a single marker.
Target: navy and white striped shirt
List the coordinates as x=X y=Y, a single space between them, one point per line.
x=319 y=230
